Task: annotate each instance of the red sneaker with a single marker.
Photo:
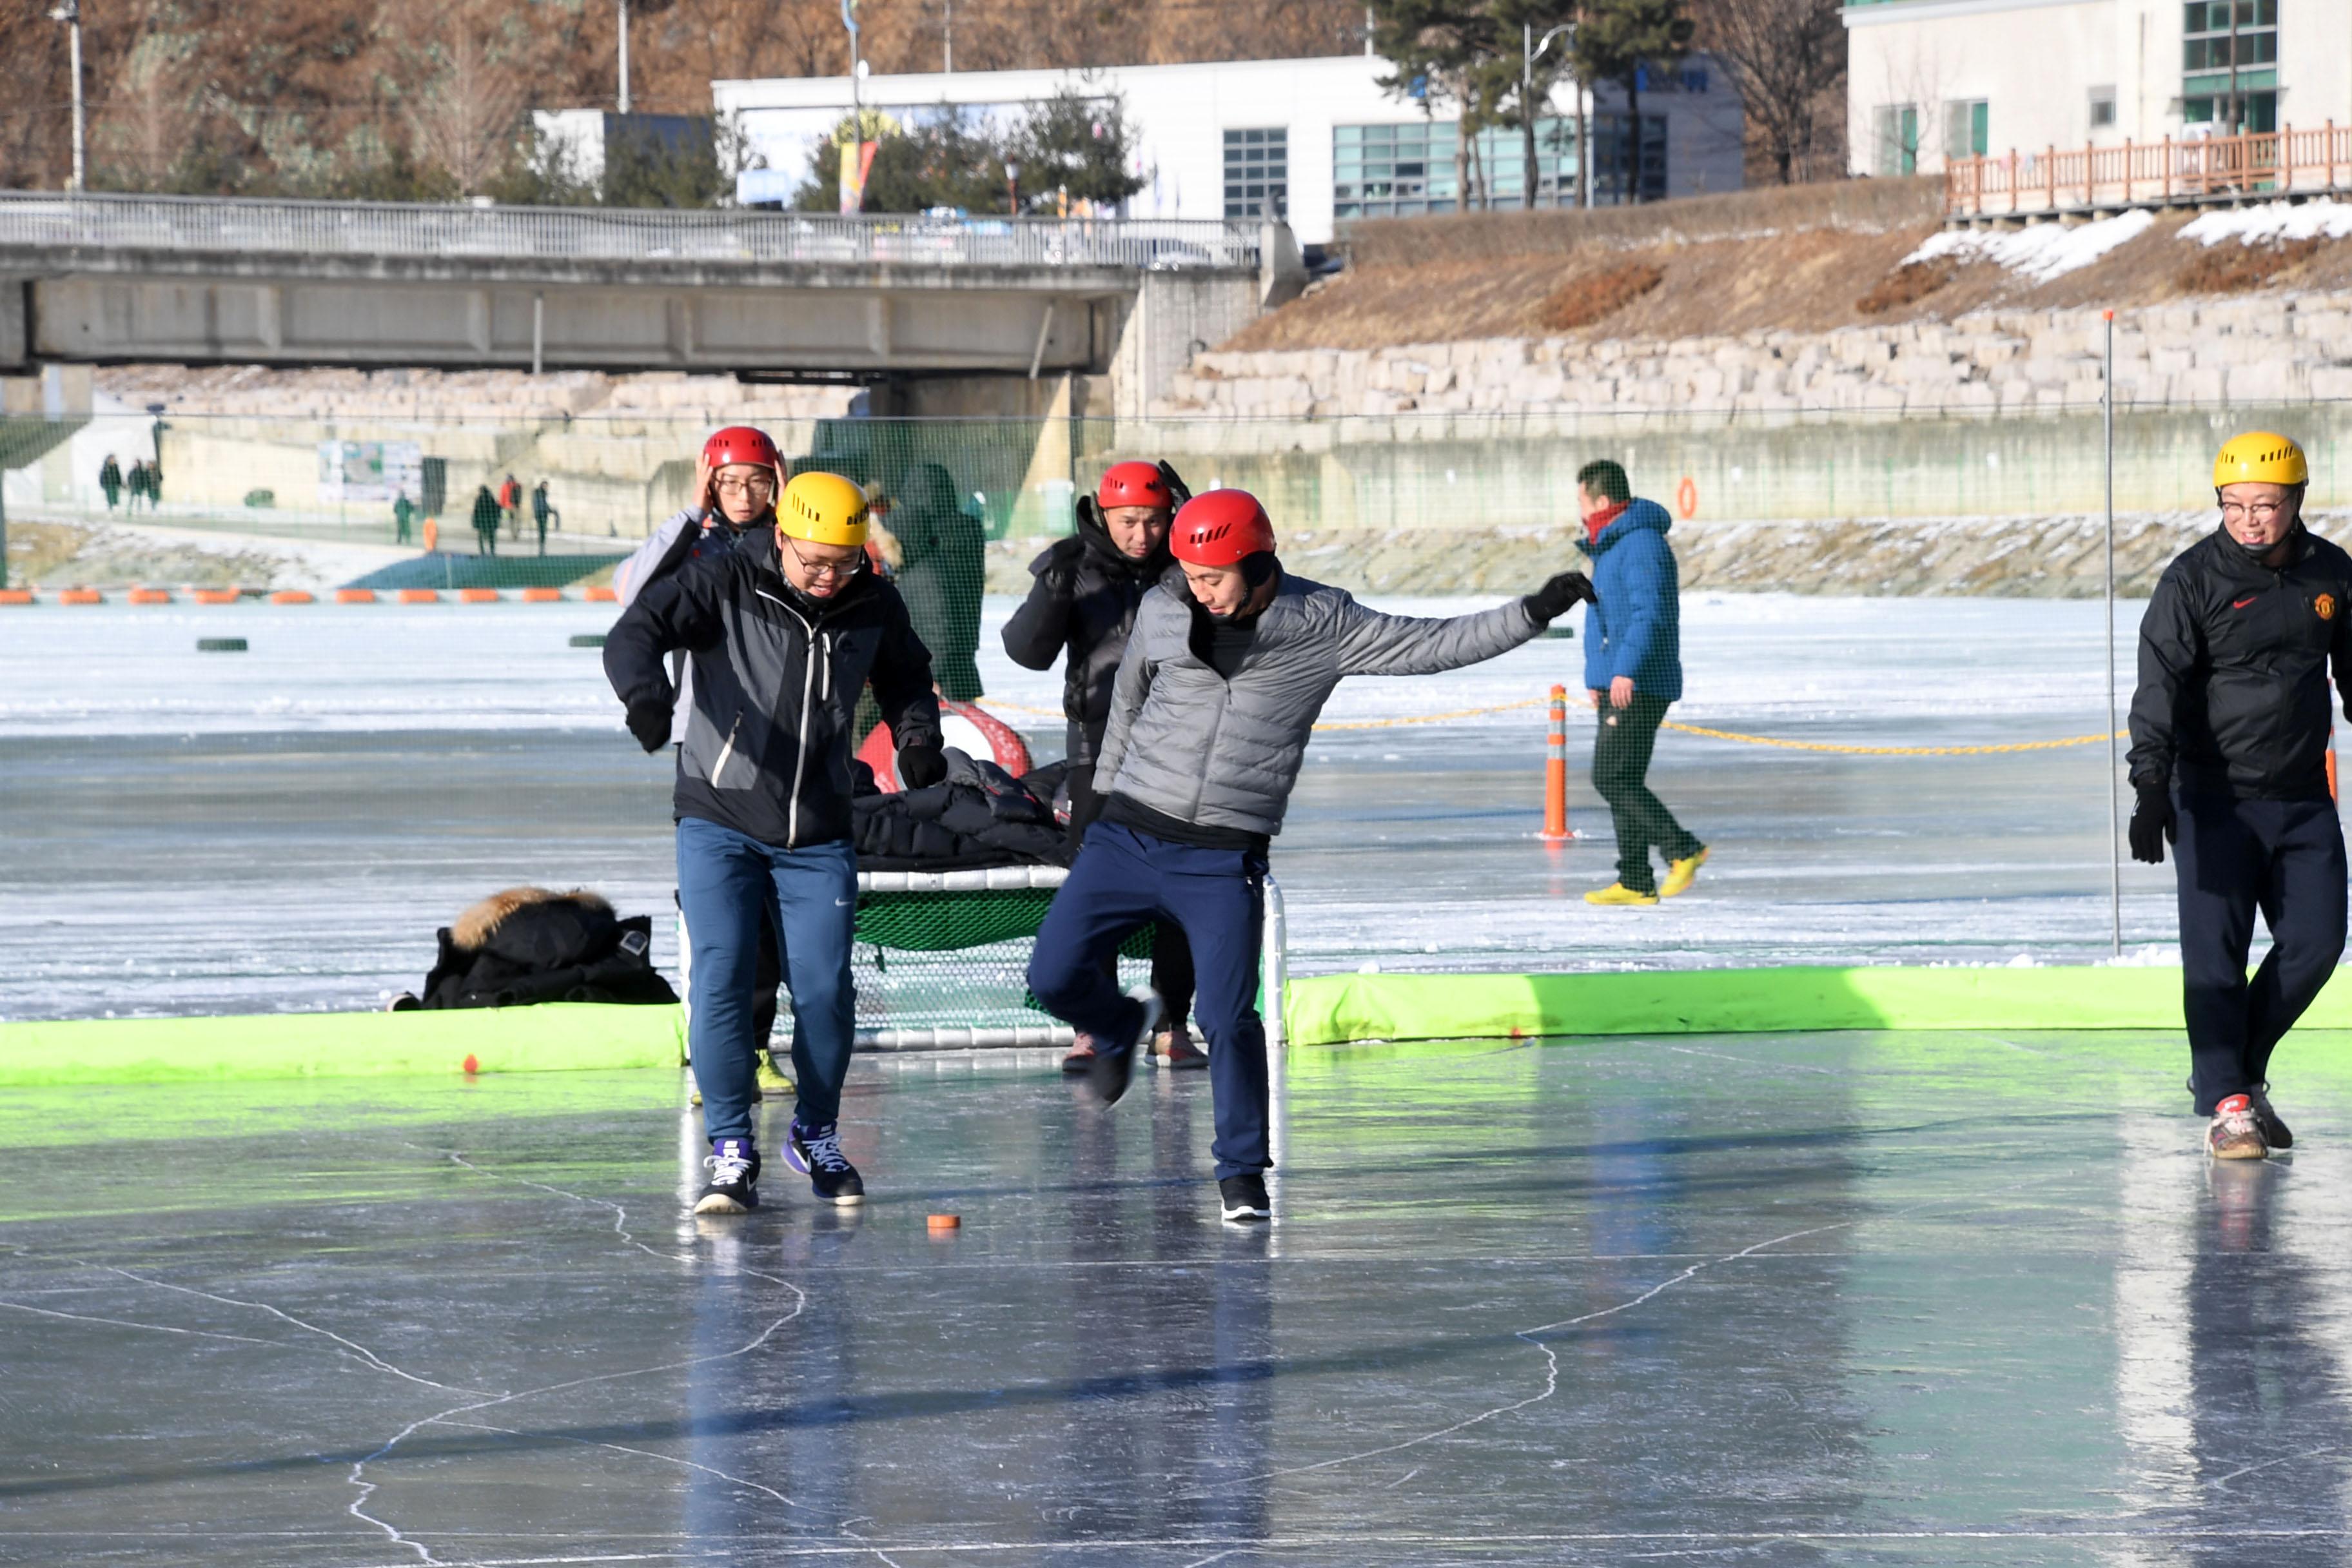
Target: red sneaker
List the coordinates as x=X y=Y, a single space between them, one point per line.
x=1081 y=1057
x=2235 y=1134
x=1174 y=1049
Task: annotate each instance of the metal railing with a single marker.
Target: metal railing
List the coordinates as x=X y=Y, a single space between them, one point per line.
x=234 y=226
x=2176 y=170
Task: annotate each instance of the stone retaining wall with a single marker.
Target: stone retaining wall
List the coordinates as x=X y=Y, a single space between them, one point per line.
x=2268 y=348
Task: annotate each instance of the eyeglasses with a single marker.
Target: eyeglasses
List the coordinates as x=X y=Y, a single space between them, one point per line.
x=2260 y=510
x=828 y=569
x=757 y=485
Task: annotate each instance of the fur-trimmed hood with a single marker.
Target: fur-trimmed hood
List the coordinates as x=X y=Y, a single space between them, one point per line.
x=474 y=928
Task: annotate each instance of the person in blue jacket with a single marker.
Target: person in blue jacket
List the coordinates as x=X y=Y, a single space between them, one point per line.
x=1633 y=669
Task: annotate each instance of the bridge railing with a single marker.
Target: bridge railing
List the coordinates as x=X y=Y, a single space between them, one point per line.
x=238 y=225
x=2151 y=174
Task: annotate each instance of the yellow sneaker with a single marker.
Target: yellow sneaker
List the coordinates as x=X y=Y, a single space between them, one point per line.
x=769 y=1078
x=1619 y=893
x=1682 y=874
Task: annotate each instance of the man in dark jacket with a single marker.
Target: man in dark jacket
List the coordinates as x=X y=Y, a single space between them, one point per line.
x=783 y=631
x=486 y=521
x=2229 y=761
x=1209 y=714
x=735 y=484
x=942 y=566
x=1084 y=601
x=1633 y=673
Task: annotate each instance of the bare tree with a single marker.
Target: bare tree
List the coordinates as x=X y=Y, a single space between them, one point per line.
x=1785 y=58
x=465 y=112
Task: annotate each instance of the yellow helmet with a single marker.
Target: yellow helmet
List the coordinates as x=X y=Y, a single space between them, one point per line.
x=2260 y=458
x=823 y=509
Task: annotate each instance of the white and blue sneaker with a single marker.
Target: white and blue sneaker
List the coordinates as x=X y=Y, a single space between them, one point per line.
x=815 y=1152
x=734 y=1184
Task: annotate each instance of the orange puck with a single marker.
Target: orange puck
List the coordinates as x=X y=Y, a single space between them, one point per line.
x=945 y=1222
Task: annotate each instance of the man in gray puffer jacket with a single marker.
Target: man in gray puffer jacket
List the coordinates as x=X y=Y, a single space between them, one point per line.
x=1209 y=714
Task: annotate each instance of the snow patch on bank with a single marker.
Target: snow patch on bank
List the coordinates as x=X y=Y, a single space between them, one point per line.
x=2040 y=252
x=2273 y=223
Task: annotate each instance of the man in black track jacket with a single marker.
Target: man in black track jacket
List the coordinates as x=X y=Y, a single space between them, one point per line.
x=782 y=631
x=2230 y=732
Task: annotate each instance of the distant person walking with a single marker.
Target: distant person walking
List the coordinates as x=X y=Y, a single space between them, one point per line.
x=109 y=481
x=403 y=512
x=540 y=513
x=510 y=507
x=942 y=563
x=486 y=521
x=2229 y=732
x=136 y=485
x=1633 y=671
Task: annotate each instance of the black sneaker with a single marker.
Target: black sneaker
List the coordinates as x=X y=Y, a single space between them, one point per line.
x=1245 y=1198
x=734 y=1184
x=1109 y=1071
x=815 y=1152
x=2274 y=1132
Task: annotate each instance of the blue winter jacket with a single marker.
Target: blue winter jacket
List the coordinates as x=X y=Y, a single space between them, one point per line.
x=1634 y=625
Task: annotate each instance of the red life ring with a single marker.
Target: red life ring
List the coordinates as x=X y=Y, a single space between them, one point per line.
x=1686 y=498
x=1005 y=747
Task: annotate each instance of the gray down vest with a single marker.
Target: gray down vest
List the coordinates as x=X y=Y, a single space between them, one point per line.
x=1188 y=744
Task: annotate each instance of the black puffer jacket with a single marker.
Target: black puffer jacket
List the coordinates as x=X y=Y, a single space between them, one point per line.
x=776 y=680
x=1082 y=601
x=2233 y=667
x=529 y=944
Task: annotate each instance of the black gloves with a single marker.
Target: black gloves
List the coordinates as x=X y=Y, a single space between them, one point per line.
x=922 y=766
x=2152 y=823
x=650 y=721
x=1555 y=598
x=1060 y=574
x=1176 y=486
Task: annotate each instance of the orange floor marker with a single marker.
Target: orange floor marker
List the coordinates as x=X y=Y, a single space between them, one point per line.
x=944 y=1222
x=355 y=595
x=293 y=596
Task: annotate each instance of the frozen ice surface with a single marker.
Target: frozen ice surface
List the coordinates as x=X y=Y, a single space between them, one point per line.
x=1937 y=1299
x=284 y=829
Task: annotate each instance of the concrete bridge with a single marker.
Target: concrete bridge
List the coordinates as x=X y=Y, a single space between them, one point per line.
x=98 y=278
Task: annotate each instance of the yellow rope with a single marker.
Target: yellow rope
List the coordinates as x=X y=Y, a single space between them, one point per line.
x=1897 y=751
x=1687 y=730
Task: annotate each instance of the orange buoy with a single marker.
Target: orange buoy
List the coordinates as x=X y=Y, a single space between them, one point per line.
x=478 y=595
x=81 y=596
x=601 y=597
x=214 y=596
x=294 y=596
x=15 y=595
x=541 y=596
x=355 y=595
x=945 y=1222
x=471 y=1064
x=419 y=596
x=149 y=597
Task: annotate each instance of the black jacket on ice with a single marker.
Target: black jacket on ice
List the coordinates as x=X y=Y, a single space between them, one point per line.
x=2233 y=665
x=776 y=677
x=1090 y=617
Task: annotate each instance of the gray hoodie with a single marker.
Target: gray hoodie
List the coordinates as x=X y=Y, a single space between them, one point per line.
x=1190 y=744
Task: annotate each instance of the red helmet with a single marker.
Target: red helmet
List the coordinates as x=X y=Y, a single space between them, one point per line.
x=1134 y=484
x=740 y=444
x=1219 y=528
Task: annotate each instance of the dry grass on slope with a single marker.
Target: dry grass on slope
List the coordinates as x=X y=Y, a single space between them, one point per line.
x=1700 y=279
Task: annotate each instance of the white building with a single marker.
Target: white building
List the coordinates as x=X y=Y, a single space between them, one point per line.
x=1933 y=79
x=1316 y=140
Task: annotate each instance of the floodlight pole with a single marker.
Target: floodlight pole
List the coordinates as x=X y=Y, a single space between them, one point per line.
x=624 y=57
x=69 y=13
x=2114 y=805
x=1531 y=51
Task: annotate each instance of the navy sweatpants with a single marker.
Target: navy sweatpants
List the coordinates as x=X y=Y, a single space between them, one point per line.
x=2285 y=859
x=729 y=884
x=1124 y=881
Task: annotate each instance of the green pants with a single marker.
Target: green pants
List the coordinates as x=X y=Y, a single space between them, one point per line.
x=1621 y=765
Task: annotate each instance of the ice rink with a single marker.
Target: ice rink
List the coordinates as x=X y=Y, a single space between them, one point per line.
x=1855 y=1298
x=284 y=829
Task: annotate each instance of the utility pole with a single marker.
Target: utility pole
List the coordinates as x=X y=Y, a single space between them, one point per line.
x=624 y=57
x=947 y=41
x=69 y=13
